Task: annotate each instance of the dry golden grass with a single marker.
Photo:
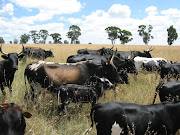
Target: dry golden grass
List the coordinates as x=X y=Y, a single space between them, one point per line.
x=45 y=120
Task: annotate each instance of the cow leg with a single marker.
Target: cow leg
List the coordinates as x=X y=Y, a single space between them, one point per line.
x=63 y=108
x=3 y=92
x=10 y=90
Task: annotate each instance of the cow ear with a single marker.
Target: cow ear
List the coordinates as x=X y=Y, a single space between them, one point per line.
x=21 y=56
x=4 y=56
x=26 y=114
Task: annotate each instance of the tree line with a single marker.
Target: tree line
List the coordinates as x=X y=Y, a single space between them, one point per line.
x=113 y=32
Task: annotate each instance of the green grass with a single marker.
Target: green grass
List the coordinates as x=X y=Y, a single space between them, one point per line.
x=45 y=120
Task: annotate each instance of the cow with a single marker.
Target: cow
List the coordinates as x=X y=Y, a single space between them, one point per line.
x=37 y=53
x=82 y=93
x=170 y=70
x=102 y=51
x=168 y=91
x=126 y=54
x=51 y=75
x=8 y=67
x=85 y=57
x=12 y=120
x=148 y=64
x=122 y=118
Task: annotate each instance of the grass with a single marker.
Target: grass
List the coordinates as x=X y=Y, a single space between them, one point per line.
x=45 y=120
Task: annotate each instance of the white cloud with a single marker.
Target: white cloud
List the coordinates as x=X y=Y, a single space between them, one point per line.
x=119 y=11
x=74 y=20
x=152 y=10
x=8 y=9
x=171 y=12
x=48 y=8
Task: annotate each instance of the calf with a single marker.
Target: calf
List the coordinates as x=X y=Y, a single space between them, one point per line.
x=12 y=120
x=8 y=68
x=169 y=91
x=82 y=93
x=120 y=118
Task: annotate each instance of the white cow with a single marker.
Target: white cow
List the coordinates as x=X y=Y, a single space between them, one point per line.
x=148 y=64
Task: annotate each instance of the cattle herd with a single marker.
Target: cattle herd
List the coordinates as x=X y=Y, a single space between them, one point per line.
x=84 y=78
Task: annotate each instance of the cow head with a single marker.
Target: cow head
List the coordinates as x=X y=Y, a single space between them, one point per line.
x=147 y=53
x=49 y=53
x=109 y=70
x=12 y=58
x=12 y=119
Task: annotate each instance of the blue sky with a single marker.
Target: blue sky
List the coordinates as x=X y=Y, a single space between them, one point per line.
x=92 y=16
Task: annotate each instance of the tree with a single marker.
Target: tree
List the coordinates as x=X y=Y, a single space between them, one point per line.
x=34 y=35
x=24 y=38
x=15 y=41
x=66 y=42
x=112 y=33
x=43 y=34
x=74 y=33
x=2 y=40
x=145 y=34
x=124 y=36
x=172 y=35
x=56 y=37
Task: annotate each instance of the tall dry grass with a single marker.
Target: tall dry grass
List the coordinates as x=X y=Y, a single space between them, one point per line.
x=45 y=120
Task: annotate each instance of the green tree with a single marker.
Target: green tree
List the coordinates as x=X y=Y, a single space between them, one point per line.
x=2 y=40
x=15 y=41
x=66 y=42
x=24 y=38
x=56 y=37
x=124 y=36
x=146 y=35
x=43 y=34
x=35 y=36
x=172 y=35
x=112 y=33
x=74 y=33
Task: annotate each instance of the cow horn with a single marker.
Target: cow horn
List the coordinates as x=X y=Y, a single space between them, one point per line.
x=22 y=50
x=150 y=49
x=111 y=60
x=2 y=51
x=112 y=47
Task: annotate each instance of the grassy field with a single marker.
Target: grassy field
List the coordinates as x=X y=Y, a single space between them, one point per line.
x=45 y=120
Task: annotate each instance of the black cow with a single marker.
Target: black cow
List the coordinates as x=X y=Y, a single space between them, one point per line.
x=84 y=57
x=51 y=75
x=120 y=118
x=12 y=120
x=127 y=54
x=83 y=93
x=169 y=91
x=170 y=70
x=8 y=68
x=37 y=53
x=102 y=51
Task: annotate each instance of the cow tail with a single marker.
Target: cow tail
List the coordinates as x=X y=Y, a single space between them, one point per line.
x=157 y=90
x=93 y=109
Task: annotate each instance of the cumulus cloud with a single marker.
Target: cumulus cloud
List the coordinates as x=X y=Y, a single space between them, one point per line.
x=152 y=10
x=119 y=11
x=8 y=9
x=49 y=8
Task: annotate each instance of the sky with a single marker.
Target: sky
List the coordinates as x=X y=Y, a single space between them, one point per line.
x=18 y=17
